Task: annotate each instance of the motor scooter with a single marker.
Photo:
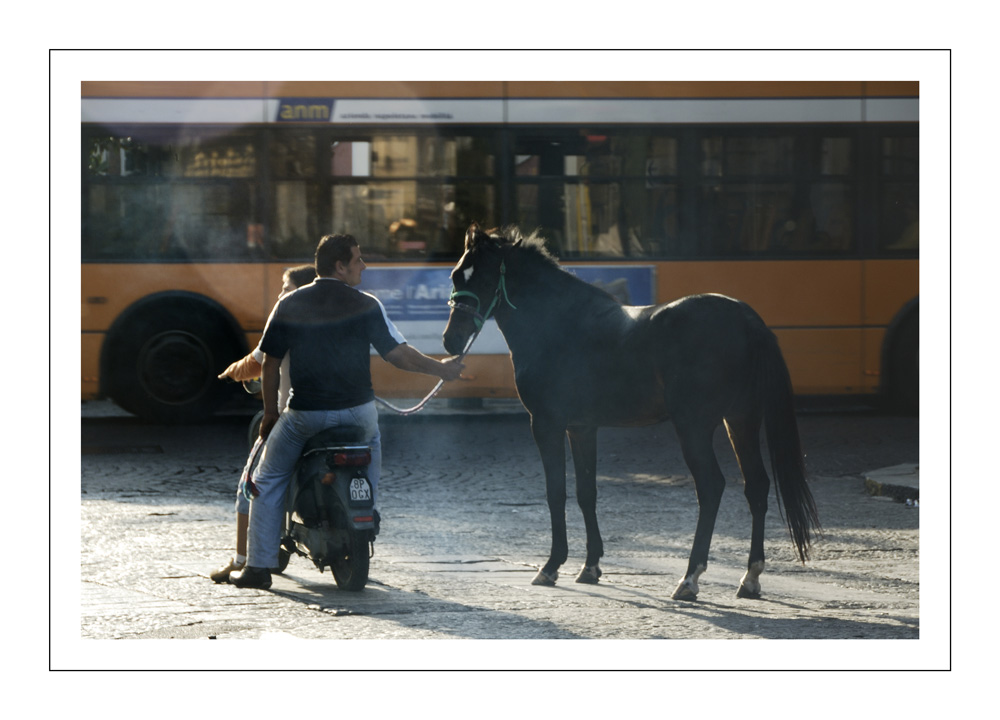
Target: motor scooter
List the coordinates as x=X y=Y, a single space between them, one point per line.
x=330 y=506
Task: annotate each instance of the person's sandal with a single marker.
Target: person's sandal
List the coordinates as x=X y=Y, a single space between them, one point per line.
x=222 y=574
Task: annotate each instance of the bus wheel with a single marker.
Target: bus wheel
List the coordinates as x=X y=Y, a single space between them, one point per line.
x=904 y=366
x=167 y=363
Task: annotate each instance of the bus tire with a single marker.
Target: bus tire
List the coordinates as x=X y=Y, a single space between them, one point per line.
x=165 y=360
x=904 y=365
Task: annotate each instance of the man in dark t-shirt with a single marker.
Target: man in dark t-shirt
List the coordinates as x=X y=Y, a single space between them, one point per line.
x=328 y=327
x=331 y=326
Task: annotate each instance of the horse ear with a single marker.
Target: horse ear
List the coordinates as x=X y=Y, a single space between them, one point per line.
x=470 y=235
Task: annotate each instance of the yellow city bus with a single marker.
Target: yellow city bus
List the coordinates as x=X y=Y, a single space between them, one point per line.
x=801 y=198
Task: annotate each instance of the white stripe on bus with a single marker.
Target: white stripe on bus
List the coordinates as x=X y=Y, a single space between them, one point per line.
x=514 y=111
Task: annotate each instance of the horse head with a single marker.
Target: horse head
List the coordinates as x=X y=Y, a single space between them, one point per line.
x=479 y=286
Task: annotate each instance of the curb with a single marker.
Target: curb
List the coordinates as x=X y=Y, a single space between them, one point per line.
x=899 y=482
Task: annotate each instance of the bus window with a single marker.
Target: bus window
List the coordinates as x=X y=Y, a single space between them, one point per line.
x=293 y=155
x=738 y=217
x=430 y=156
x=296 y=220
x=899 y=228
x=829 y=222
x=411 y=219
x=168 y=196
x=727 y=157
x=746 y=218
x=836 y=156
x=785 y=195
x=412 y=196
x=599 y=193
x=829 y=226
x=191 y=153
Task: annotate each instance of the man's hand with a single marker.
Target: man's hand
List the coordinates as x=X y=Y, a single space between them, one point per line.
x=451 y=369
x=409 y=358
x=267 y=423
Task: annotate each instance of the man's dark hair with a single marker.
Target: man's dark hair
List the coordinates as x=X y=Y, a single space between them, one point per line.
x=331 y=250
x=301 y=275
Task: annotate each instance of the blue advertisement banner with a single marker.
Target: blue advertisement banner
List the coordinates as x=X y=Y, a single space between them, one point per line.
x=418 y=294
x=410 y=293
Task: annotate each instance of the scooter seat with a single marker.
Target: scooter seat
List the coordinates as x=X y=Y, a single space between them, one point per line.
x=331 y=437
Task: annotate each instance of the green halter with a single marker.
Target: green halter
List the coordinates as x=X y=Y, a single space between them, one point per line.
x=480 y=320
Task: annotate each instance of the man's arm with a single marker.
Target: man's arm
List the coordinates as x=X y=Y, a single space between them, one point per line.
x=409 y=358
x=244 y=369
x=269 y=376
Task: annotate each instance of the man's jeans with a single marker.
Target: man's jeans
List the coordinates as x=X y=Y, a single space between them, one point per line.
x=284 y=444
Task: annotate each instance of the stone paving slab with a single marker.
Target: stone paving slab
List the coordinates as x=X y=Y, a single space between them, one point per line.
x=99 y=600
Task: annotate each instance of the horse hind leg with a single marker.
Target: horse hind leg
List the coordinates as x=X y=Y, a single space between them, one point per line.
x=583 y=444
x=745 y=438
x=696 y=444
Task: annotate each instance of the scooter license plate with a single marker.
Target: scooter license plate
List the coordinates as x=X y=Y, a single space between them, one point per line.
x=361 y=490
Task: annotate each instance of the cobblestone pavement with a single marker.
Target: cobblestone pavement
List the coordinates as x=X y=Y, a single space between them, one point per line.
x=466 y=525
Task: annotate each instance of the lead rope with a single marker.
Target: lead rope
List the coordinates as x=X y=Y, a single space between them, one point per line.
x=420 y=405
x=480 y=321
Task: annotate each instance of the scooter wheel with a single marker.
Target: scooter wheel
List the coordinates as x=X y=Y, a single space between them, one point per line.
x=283 y=557
x=350 y=564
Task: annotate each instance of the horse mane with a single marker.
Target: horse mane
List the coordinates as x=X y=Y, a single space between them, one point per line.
x=534 y=243
x=542 y=264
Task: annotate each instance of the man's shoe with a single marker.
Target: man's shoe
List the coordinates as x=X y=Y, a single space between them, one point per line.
x=251 y=577
x=222 y=574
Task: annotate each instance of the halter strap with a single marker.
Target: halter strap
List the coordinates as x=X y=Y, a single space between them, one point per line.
x=480 y=320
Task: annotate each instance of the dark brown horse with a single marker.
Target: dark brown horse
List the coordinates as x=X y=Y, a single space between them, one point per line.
x=582 y=360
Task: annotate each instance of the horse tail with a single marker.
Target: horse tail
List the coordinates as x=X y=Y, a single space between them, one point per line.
x=785 y=448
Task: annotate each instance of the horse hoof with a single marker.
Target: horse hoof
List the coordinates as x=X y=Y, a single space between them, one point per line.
x=543 y=578
x=590 y=575
x=687 y=590
x=750 y=582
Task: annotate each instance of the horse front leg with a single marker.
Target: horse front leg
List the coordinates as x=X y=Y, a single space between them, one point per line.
x=550 y=439
x=583 y=443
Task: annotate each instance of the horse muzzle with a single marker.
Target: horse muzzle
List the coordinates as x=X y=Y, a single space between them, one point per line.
x=461 y=326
